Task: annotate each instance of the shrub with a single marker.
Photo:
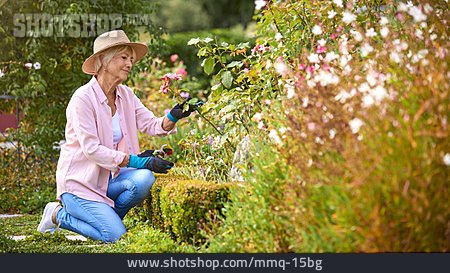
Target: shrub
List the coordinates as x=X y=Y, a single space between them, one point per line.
x=27 y=186
x=177 y=44
x=359 y=118
x=184 y=208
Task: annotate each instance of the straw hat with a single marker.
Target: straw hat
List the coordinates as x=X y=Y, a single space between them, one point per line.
x=108 y=40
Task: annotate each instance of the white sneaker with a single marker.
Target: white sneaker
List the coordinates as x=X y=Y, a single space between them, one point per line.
x=46 y=224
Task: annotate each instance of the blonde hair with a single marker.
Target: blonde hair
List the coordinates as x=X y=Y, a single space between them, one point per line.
x=110 y=53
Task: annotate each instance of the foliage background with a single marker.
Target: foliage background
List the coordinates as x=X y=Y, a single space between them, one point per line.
x=345 y=105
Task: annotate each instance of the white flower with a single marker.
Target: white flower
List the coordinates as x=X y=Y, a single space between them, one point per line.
x=383 y=21
x=367 y=101
x=1 y=73
x=332 y=133
x=331 y=14
x=261 y=125
x=290 y=90
x=338 y=3
x=28 y=65
x=322 y=42
x=355 y=125
x=402 y=7
x=208 y=40
x=305 y=102
x=281 y=68
x=446 y=159
x=326 y=78
x=330 y=56
x=342 y=96
x=313 y=58
x=366 y=49
x=282 y=130
x=259 y=4
x=310 y=83
x=348 y=17
x=343 y=61
x=273 y=135
x=379 y=93
x=427 y=8
x=371 y=78
x=193 y=41
x=356 y=35
x=384 y=32
x=395 y=57
x=422 y=53
x=316 y=30
x=268 y=64
x=419 y=34
x=417 y=14
x=278 y=37
x=371 y=32
x=257 y=117
x=364 y=87
x=37 y=65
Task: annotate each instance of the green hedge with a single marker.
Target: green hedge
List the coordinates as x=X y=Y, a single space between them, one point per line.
x=184 y=208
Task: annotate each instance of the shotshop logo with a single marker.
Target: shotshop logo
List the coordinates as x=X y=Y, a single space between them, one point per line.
x=73 y=25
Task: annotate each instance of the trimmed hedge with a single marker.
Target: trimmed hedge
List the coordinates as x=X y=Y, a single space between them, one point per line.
x=184 y=208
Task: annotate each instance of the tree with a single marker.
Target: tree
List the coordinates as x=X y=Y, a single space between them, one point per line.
x=44 y=44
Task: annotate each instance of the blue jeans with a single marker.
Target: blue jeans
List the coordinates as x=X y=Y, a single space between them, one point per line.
x=99 y=221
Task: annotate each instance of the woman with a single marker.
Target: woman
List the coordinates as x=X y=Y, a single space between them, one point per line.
x=99 y=175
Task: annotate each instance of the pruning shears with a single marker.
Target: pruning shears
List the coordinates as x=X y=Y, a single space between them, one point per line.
x=163 y=151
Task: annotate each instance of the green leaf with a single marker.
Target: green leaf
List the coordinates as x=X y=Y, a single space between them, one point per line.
x=235 y=63
x=202 y=52
x=227 y=79
x=209 y=66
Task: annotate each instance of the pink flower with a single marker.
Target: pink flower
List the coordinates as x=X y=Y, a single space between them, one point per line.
x=181 y=71
x=302 y=66
x=184 y=94
x=326 y=67
x=246 y=71
x=171 y=76
x=174 y=58
x=321 y=49
x=310 y=69
x=311 y=126
x=164 y=88
x=334 y=36
x=260 y=48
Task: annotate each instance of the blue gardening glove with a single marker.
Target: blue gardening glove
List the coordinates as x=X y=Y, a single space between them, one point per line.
x=155 y=164
x=177 y=111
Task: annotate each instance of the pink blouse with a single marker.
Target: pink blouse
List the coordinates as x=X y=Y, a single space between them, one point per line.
x=89 y=155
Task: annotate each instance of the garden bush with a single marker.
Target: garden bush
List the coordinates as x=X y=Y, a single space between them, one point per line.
x=183 y=208
x=26 y=186
x=177 y=44
x=352 y=99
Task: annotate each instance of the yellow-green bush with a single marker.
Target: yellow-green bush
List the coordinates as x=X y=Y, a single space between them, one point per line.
x=185 y=208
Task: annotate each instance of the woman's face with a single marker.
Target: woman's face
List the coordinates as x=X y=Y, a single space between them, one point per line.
x=120 y=65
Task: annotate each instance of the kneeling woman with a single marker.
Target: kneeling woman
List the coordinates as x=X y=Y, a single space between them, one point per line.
x=100 y=175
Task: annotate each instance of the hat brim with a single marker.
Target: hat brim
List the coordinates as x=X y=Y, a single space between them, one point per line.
x=89 y=64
